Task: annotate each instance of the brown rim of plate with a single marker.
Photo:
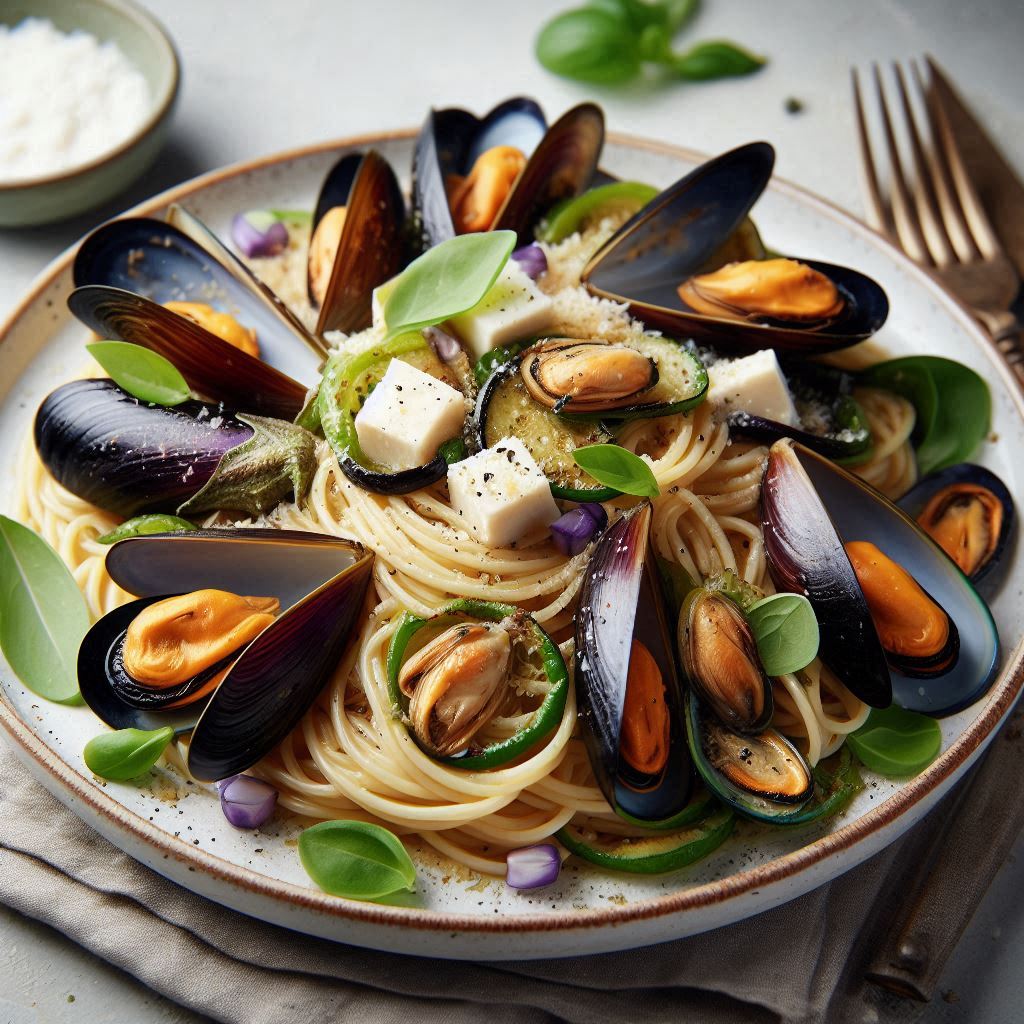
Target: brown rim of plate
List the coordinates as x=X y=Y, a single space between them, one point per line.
x=162 y=106
x=997 y=703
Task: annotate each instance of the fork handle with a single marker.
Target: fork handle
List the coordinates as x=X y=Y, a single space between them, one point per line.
x=1008 y=335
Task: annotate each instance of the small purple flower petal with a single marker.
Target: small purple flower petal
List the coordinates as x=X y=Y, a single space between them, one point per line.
x=573 y=531
x=258 y=233
x=531 y=260
x=532 y=867
x=247 y=802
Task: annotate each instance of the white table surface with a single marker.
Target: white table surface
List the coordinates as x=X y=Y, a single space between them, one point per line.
x=266 y=75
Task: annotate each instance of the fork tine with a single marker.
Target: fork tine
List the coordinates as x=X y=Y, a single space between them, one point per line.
x=878 y=214
x=978 y=224
x=934 y=226
x=908 y=230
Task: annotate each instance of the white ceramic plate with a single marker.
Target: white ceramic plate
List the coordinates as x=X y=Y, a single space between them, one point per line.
x=179 y=830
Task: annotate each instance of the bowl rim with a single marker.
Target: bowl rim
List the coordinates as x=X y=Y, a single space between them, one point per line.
x=162 y=103
x=77 y=787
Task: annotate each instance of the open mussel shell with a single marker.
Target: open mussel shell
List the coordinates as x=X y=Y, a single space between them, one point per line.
x=129 y=457
x=371 y=249
x=673 y=238
x=320 y=582
x=969 y=512
x=809 y=509
x=762 y=776
x=620 y=602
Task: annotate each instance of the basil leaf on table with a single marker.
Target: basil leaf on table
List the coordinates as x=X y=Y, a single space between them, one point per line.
x=447 y=280
x=617 y=467
x=144 y=526
x=43 y=615
x=145 y=374
x=356 y=859
x=896 y=742
x=126 y=753
x=589 y=44
x=786 y=632
x=719 y=59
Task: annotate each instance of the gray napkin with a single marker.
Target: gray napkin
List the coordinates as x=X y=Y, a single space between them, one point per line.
x=782 y=966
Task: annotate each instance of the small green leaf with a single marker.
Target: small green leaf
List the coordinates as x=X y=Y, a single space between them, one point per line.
x=126 y=753
x=718 y=59
x=786 y=632
x=617 y=467
x=446 y=281
x=356 y=859
x=589 y=44
x=295 y=216
x=141 y=372
x=144 y=526
x=897 y=742
x=43 y=615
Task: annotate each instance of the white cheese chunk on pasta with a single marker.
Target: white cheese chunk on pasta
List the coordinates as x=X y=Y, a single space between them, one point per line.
x=407 y=416
x=500 y=494
x=753 y=384
x=514 y=309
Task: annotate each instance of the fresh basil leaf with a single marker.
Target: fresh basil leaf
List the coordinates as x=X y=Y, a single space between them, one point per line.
x=141 y=372
x=679 y=12
x=453 y=450
x=786 y=632
x=43 y=615
x=279 y=459
x=144 y=526
x=589 y=44
x=613 y=466
x=718 y=59
x=896 y=742
x=445 y=281
x=953 y=406
x=356 y=859
x=126 y=753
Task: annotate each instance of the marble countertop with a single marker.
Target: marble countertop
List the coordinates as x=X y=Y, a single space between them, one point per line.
x=265 y=76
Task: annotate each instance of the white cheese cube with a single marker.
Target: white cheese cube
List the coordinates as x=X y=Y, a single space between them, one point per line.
x=753 y=384
x=501 y=494
x=514 y=309
x=407 y=416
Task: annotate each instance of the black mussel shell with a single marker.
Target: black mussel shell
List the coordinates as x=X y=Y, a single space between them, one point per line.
x=809 y=508
x=128 y=457
x=673 y=237
x=617 y=583
x=372 y=245
x=939 y=494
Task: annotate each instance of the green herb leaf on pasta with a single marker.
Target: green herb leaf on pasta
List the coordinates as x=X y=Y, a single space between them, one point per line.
x=126 y=753
x=43 y=615
x=141 y=372
x=786 y=632
x=356 y=859
x=896 y=742
x=614 y=466
x=145 y=526
x=447 y=280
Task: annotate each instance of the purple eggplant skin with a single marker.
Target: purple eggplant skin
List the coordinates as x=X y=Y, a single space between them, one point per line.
x=126 y=456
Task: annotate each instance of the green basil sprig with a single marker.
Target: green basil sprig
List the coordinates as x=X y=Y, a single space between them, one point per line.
x=144 y=526
x=607 y=42
x=43 y=615
x=356 y=859
x=141 y=372
x=445 y=281
x=617 y=467
x=126 y=753
x=786 y=632
x=897 y=742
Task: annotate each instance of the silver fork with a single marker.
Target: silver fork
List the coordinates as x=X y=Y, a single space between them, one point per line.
x=934 y=213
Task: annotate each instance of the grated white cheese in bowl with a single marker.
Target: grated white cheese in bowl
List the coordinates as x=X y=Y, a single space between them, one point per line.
x=66 y=99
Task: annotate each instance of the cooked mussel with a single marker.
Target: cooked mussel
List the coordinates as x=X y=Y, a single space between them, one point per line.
x=627 y=685
x=721 y=662
x=255 y=672
x=798 y=305
x=809 y=507
x=969 y=512
x=502 y=171
x=129 y=457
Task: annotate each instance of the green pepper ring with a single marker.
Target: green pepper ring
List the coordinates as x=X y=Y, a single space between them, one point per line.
x=546 y=717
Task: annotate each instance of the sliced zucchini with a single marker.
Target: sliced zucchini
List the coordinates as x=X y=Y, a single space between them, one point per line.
x=682 y=380
x=616 y=199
